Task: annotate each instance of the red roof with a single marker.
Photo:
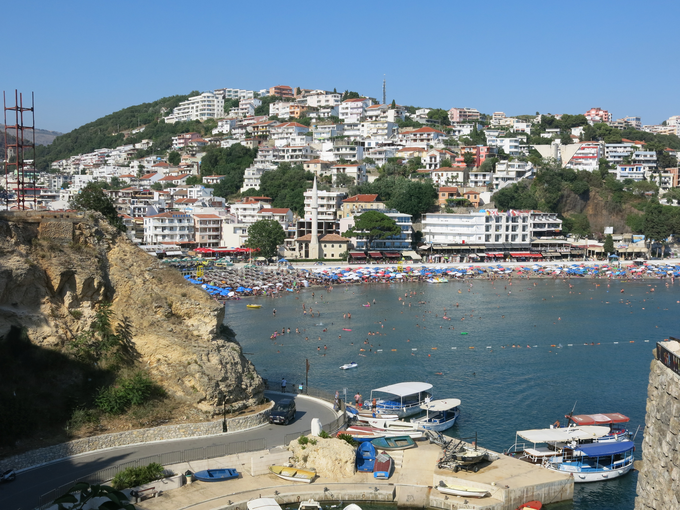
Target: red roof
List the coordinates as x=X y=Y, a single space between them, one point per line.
x=274 y=210
x=207 y=216
x=147 y=176
x=448 y=189
x=161 y=164
x=356 y=100
x=170 y=178
x=425 y=130
x=361 y=198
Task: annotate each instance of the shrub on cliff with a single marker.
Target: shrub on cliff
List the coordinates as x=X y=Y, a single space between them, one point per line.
x=126 y=393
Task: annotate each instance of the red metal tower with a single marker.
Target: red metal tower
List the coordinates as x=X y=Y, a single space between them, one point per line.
x=15 y=153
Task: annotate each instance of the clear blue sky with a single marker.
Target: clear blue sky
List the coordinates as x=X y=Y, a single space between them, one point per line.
x=87 y=59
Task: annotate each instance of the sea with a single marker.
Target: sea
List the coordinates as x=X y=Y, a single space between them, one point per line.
x=519 y=354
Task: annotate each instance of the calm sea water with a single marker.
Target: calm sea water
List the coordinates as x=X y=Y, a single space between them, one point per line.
x=586 y=347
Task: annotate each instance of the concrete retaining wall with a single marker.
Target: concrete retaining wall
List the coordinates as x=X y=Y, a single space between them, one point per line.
x=130 y=437
x=658 y=484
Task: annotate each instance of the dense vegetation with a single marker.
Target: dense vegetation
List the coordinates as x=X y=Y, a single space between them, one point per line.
x=404 y=195
x=286 y=186
x=109 y=131
x=136 y=476
x=230 y=162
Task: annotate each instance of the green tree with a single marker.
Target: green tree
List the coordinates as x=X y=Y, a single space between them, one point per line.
x=350 y=95
x=577 y=225
x=343 y=180
x=266 y=235
x=393 y=105
x=515 y=196
x=373 y=225
x=286 y=186
x=174 y=158
x=414 y=198
x=609 y=245
x=86 y=493
x=230 y=162
x=93 y=198
x=469 y=159
x=157 y=186
x=656 y=224
x=445 y=163
x=442 y=116
x=192 y=180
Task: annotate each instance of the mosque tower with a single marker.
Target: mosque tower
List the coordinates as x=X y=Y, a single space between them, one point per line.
x=314 y=245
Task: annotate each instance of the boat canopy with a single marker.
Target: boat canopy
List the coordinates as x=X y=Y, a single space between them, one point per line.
x=605 y=449
x=563 y=435
x=405 y=388
x=263 y=504
x=598 y=419
x=441 y=405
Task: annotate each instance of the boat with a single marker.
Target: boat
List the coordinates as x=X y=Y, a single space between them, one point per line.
x=406 y=398
x=293 y=474
x=594 y=462
x=362 y=434
x=394 y=443
x=440 y=414
x=352 y=506
x=346 y=329
x=310 y=504
x=347 y=366
x=437 y=280
x=464 y=492
x=553 y=441
x=532 y=505
x=397 y=430
x=253 y=306
x=366 y=457
x=263 y=504
x=616 y=432
x=383 y=467
x=216 y=475
x=469 y=456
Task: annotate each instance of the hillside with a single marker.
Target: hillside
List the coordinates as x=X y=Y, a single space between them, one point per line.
x=42 y=136
x=57 y=361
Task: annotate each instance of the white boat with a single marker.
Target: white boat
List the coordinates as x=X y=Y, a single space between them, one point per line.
x=393 y=425
x=310 y=504
x=406 y=398
x=263 y=504
x=347 y=366
x=352 y=506
x=440 y=414
x=616 y=431
x=464 y=492
x=360 y=430
x=553 y=440
x=594 y=462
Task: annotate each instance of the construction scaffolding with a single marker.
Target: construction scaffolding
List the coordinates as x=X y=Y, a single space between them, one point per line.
x=20 y=169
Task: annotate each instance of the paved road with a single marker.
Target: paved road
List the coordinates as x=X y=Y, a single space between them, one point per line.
x=23 y=493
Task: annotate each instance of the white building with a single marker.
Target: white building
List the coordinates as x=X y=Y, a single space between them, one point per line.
x=378 y=130
x=246 y=210
x=324 y=100
x=328 y=131
x=330 y=203
x=235 y=93
x=352 y=110
x=355 y=171
x=168 y=228
x=208 y=230
x=586 y=157
x=510 y=172
x=201 y=107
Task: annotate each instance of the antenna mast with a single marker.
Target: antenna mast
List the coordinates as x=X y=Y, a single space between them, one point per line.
x=384 y=91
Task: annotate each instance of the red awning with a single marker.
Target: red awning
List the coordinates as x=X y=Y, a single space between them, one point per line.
x=598 y=419
x=391 y=254
x=358 y=255
x=375 y=254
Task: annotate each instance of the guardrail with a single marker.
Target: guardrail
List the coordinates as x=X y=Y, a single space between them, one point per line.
x=190 y=455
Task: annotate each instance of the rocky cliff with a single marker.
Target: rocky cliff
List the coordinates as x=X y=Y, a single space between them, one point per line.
x=55 y=268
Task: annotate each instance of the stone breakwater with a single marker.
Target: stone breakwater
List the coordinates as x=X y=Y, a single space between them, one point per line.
x=131 y=437
x=658 y=484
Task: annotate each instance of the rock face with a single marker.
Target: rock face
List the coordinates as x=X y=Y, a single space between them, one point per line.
x=55 y=268
x=332 y=457
x=658 y=484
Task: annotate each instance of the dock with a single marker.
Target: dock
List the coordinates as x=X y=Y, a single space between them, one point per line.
x=509 y=481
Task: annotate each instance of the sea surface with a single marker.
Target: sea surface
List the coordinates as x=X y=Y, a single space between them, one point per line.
x=583 y=345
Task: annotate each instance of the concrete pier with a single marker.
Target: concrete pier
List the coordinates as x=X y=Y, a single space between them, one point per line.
x=510 y=482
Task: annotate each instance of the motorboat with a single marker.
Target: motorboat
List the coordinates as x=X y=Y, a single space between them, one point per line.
x=552 y=441
x=464 y=492
x=366 y=455
x=216 y=475
x=293 y=474
x=440 y=414
x=253 y=306
x=347 y=366
x=394 y=443
x=263 y=504
x=383 y=467
x=404 y=398
x=594 y=462
x=613 y=420
x=310 y=504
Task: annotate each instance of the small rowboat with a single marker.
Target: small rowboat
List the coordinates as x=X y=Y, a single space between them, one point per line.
x=532 y=505
x=364 y=435
x=253 y=306
x=466 y=492
x=346 y=329
x=347 y=366
x=216 y=475
x=382 y=469
x=293 y=474
x=394 y=443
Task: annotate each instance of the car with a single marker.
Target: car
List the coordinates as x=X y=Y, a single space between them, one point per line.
x=283 y=412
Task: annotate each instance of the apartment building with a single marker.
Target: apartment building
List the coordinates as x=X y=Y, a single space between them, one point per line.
x=434 y=158
x=378 y=130
x=480 y=153
x=598 y=115
x=352 y=110
x=422 y=137
x=352 y=205
x=168 y=228
x=246 y=210
x=464 y=114
x=324 y=100
x=239 y=94
x=330 y=204
x=355 y=171
x=280 y=109
x=328 y=131
x=281 y=91
x=391 y=247
x=287 y=130
x=510 y=172
x=445 y=193
x=208 y=230
x=586 y=157
x=282 y=215
x=204 y=106
x=348 y=152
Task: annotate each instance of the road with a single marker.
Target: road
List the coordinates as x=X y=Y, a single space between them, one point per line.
x=23 y=493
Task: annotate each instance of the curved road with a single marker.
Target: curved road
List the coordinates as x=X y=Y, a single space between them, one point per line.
x=23 y=493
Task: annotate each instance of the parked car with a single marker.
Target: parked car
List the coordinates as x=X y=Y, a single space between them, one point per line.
x=283 y=412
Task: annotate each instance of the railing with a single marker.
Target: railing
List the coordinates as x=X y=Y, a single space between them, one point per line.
x=193 y=454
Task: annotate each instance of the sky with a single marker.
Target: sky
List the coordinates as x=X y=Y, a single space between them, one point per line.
x=84 y=60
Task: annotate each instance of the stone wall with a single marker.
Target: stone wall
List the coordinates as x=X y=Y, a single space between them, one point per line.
x=658 y=484
x=130 y=437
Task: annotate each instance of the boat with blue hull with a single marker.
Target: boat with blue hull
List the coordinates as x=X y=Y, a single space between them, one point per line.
x=404 y=398
x=394 y=443
x=216 y=475
x=366 y=457
x=594 y=462
x=440 y=415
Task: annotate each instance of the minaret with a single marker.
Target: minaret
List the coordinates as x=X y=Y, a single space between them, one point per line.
x=314 y=242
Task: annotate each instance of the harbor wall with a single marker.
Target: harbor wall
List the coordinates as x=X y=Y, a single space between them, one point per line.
x=658 y=484
x=131 y=437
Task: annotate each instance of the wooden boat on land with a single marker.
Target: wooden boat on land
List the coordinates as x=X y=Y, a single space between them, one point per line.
x=253 y=306
x=366 y=457
x=382 y=469
x=441 y=415
x=465 y=492
x=394 y=443
x=293 y=474
x=216 y=475
x=405 y=398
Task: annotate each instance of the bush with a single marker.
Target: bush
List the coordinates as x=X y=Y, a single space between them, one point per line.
x=324 y=435
x=133 y=477
x=348 y=438
x=131 y=391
